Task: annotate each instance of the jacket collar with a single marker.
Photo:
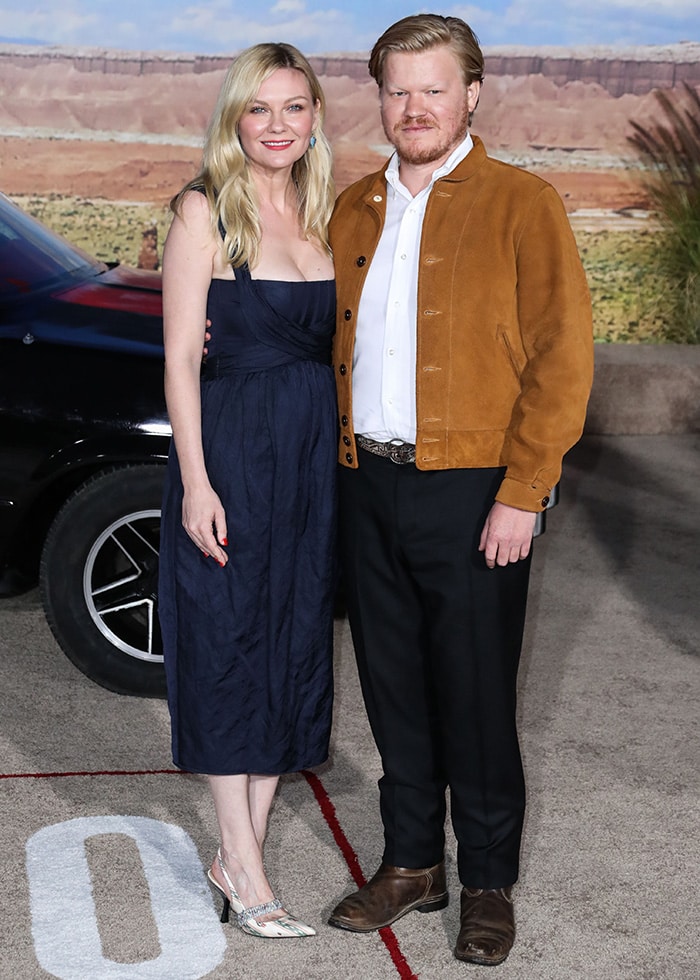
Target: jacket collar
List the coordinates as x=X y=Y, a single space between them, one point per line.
x=472 y=162
x=375 y=197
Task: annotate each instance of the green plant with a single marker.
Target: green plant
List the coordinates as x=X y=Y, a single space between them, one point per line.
x=671 y=150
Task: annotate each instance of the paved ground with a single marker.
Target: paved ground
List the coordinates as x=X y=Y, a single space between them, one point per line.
x=104 y=846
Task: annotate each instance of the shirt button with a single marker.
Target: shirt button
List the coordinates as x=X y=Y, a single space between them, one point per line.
x=391 y=352
x=360 y=260
x=343 y=369
x=403 y=256
x=348 y=314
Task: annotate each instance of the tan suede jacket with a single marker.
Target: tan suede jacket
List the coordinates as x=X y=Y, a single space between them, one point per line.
x=504 y=333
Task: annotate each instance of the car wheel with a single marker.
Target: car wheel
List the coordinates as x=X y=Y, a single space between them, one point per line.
x=99 y=578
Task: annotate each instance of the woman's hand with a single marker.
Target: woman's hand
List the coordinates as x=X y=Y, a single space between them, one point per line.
x=204 y=520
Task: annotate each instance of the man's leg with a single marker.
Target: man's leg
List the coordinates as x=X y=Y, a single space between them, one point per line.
x=476 y=618
x=390 y=638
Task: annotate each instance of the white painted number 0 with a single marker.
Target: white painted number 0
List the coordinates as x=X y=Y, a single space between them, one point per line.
x=64 y=923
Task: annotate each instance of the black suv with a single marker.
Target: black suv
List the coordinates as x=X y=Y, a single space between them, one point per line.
x=84 y=436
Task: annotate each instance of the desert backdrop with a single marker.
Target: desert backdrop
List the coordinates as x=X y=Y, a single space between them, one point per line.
x=84 y=128
x=128 y=125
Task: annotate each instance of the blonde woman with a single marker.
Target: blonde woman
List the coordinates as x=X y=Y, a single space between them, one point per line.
x=247 y=549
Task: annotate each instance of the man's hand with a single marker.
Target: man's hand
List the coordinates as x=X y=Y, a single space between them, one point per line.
x=507 y=535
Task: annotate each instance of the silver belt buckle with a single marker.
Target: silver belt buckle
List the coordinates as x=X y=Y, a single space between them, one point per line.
x=396 y=452
x=401 y=453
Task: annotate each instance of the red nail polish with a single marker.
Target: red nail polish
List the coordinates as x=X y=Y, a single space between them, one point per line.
x=224 y=540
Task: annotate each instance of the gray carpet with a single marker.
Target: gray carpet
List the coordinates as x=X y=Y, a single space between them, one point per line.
x=102 y=874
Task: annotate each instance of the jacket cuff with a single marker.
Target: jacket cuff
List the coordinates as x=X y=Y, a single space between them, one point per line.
x=524 y=496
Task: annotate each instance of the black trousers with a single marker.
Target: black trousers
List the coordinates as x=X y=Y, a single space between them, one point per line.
x=437 y=637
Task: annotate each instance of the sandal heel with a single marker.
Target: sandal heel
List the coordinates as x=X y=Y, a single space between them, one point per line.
x=227 y=904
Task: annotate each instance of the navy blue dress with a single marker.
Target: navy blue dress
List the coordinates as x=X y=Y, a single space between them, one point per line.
x=248 y=647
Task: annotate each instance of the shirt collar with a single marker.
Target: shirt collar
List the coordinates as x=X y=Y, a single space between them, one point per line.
x=455 y=158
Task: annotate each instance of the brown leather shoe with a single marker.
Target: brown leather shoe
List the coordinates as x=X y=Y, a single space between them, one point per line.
x=391 y=893
x=487 y=926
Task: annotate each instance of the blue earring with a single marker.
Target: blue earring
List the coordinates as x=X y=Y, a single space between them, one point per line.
x=312 y=142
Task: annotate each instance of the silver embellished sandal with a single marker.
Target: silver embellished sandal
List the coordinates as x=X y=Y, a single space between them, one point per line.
x=247 y=919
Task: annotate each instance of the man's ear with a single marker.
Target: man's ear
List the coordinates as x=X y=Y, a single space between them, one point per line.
x=473 y=94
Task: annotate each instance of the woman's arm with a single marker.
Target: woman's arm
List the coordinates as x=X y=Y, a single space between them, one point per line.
x=188 y=260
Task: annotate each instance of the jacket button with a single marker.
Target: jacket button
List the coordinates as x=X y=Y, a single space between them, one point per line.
x=348 y=457
x=345 y=420
x=347 y=440
x=348 y=314
x=545 y=501
x=360 y=261
x=343 y=370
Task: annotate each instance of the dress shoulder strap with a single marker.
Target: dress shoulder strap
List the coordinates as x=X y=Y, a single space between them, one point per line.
x=222 y=231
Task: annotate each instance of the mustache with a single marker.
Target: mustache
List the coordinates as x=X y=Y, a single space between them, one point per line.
x=413 y=121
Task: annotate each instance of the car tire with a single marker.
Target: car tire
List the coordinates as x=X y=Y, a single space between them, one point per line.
x=98 y=580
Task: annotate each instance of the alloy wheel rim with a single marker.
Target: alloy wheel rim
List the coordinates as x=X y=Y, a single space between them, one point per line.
x=120 y=581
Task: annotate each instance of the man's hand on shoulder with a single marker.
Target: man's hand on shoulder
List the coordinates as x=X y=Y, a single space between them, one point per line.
x=507 y=535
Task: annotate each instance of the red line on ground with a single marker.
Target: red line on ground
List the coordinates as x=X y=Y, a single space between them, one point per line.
x=388 y=937
x=387 y=934
x=106 y=772
x=331 y=818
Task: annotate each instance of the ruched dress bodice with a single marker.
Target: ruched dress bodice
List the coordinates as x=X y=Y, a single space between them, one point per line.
x=266 y=323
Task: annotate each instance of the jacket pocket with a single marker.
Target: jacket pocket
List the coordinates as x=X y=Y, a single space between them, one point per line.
x=510 y=354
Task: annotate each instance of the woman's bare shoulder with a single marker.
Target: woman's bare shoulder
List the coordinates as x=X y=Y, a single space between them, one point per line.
x=194 y=208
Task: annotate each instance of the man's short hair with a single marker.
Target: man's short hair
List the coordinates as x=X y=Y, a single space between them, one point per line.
x=421 y=32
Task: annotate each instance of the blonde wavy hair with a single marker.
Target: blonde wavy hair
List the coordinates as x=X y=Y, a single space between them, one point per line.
x=224 y=175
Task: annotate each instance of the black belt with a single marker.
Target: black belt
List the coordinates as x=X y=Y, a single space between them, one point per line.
x=396 y=451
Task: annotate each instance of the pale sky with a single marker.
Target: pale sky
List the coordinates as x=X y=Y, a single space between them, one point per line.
x=326 y=26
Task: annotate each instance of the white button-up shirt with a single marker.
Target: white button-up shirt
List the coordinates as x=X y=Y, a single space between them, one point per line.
x=384 y=359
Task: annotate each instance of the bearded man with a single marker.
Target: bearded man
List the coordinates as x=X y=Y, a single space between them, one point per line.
x=463 y=360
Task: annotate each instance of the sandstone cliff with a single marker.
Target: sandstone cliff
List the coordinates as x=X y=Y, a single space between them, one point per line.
x=618 y=71
x=143 y=114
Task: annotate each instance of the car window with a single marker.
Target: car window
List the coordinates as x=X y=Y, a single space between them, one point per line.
x=32 y=257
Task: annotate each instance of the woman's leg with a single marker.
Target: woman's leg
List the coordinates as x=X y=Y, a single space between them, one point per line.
x=242 y=805
x=261 y=791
